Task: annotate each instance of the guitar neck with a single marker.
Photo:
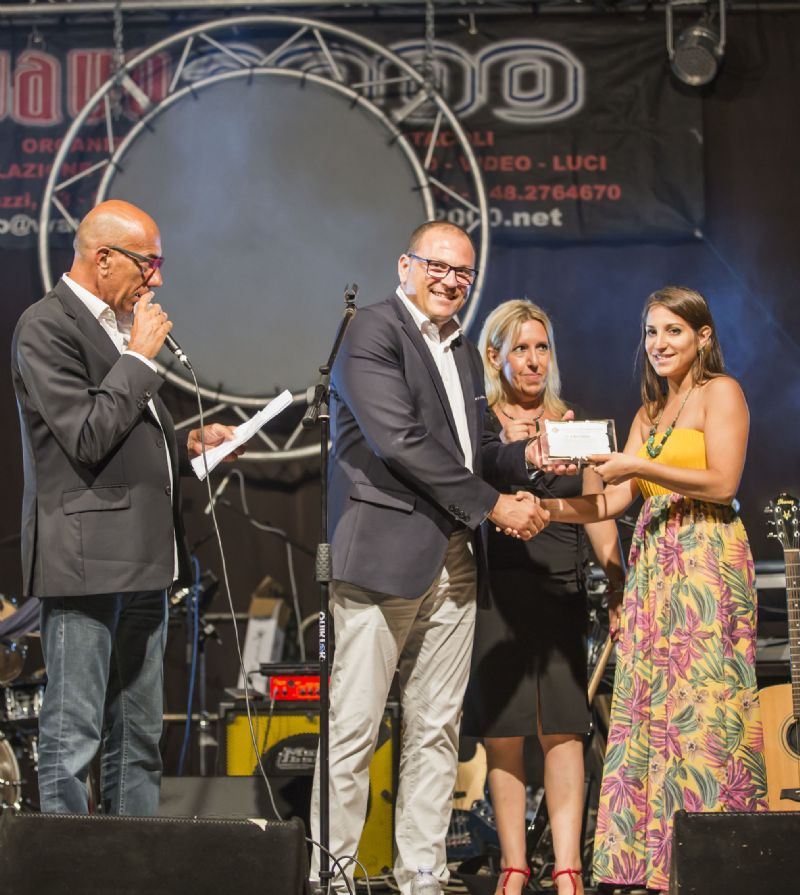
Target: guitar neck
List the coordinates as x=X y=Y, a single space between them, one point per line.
x=792 y=559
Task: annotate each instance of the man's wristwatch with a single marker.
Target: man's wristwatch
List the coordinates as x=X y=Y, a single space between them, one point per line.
x=533 y=471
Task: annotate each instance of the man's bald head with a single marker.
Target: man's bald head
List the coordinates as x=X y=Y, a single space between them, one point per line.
x=112 y=223
x=112 y=247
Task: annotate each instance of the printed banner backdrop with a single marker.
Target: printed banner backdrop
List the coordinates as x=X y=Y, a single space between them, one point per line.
x=747 y=265
x=582 y=133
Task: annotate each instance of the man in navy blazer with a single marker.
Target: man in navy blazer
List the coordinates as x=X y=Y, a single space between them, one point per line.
x=102 y=536
x=410 y=485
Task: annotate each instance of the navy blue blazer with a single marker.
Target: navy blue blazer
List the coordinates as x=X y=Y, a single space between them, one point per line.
x=398 y=484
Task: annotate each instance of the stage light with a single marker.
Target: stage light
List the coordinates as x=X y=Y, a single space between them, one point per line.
x=697 y=53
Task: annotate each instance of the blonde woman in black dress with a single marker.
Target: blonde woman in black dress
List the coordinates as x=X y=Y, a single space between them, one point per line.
x=529 y=661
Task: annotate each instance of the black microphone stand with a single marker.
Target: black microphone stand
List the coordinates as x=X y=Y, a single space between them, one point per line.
x=319 y=410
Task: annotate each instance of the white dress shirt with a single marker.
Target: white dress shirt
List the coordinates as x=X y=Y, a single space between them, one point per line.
x=119 y=331
x=441 y=347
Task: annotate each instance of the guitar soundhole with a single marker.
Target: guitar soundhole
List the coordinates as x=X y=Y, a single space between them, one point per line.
x=793 y=737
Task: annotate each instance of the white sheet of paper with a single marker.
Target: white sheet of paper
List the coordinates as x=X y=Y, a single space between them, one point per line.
x=576 y=439
x=242 y=434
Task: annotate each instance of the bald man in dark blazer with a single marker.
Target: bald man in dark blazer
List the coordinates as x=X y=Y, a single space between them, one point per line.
x=102 y=537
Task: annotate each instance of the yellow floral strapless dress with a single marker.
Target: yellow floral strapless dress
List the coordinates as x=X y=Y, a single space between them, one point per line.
x=685 y=728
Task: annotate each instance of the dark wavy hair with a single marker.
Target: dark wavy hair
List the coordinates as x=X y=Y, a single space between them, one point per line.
x=690 y=306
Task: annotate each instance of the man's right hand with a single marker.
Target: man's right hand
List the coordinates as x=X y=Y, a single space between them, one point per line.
x=150 y=327
x=520 y=515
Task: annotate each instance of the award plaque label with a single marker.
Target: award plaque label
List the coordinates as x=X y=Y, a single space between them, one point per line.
x=579 y=439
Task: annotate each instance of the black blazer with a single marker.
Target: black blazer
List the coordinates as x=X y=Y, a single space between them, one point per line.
x=398 y=484
x=98 y=513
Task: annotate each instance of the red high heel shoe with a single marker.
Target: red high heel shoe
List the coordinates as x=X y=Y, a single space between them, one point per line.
x=572 y=874
x=509 y=870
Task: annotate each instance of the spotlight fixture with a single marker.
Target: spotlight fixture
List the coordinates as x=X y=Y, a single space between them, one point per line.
x=697 y=53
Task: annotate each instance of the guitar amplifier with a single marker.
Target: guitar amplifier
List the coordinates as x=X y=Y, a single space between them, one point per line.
x=735 y=853
x=287 y=740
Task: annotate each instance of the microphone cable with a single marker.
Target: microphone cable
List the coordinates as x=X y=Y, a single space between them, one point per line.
x=231 y=608
x=283 y=535
x=337 y=863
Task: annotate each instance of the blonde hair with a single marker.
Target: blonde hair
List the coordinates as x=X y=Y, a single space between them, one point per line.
x=499 y=332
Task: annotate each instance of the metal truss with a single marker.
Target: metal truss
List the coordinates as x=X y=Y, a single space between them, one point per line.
x=28 y=10
x=186 y=45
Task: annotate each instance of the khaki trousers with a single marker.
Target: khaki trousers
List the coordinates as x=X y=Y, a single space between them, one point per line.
x=429 y=641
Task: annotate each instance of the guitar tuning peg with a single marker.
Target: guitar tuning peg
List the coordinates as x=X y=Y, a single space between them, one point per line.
x=771 y=523
x=771 y=534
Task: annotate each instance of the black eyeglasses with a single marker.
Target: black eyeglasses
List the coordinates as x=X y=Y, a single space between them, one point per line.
x=154 y=262
x=439 y=270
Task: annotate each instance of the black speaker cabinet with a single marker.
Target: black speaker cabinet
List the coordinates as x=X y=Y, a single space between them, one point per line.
x=64 y=854
x=288 y=740
x=241 y=797
x=736 y=853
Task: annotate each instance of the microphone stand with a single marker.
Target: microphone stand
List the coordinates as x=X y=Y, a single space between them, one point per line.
x=319 y=411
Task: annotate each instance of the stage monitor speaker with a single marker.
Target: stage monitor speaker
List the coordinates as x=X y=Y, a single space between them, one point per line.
x=288 y=741
x=241 y=797
x=61 y=854
x=736 y=853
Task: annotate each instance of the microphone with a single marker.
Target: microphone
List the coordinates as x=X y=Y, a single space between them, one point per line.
x=176 y=349
x=171 y=342
x=220 y=488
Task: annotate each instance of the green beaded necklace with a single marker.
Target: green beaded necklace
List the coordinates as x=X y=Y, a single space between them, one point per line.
x=655 y=449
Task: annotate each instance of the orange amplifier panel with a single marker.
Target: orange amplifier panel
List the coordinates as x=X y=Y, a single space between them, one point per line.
x=294 y=688
x=291 y=682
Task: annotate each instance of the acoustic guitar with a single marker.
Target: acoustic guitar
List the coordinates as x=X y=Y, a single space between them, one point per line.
x=780 y=705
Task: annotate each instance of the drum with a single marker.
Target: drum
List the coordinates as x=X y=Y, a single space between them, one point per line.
x=16 y=626
x=10 y=778
x=19 y=762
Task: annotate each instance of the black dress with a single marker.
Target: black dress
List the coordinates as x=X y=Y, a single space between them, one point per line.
x=530 y=644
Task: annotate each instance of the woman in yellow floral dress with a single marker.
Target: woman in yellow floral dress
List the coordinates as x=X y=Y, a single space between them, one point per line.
x=685 y=726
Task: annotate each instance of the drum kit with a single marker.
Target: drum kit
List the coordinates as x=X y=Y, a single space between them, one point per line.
x=20 y=703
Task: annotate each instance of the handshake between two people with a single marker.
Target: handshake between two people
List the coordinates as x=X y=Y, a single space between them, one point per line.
x=521 y=515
